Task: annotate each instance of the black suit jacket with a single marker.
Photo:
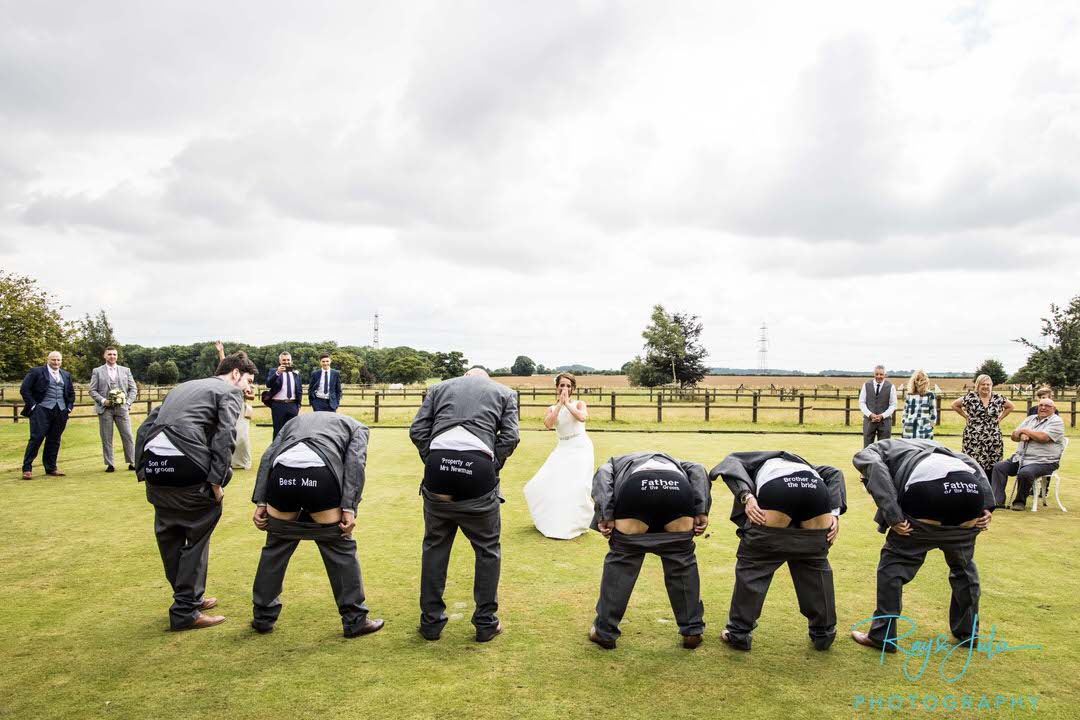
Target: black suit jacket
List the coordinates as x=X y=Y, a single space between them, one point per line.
x=315 y=381
x=35 y=386
x=274 y=382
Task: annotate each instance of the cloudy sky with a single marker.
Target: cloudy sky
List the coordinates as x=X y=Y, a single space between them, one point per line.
x=895 y=182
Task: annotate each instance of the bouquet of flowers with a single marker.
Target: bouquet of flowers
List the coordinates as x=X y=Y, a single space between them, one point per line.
x=117 y=398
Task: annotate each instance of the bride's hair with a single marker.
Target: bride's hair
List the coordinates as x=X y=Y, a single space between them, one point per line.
x=568 y=376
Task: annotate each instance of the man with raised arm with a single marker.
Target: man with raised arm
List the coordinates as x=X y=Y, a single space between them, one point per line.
x=183 y=451
x=786 y=510
x=465 y=430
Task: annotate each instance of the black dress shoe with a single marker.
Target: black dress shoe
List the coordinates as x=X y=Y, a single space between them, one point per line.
x=110 y=468
x=691 y=642
x=131 y=467
x=262 y=629
x=367 y=628
x=489 y=636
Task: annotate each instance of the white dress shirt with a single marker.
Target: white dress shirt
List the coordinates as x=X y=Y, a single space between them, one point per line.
x=458 y=439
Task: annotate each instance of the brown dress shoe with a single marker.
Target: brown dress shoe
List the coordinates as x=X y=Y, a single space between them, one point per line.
x=488 y=638
x=27 y=475
x=606 y=644
x=55 y=473
x=208 y=603
x=367 y=628
x=204 y=621
x=863 y=639
x=691 y=642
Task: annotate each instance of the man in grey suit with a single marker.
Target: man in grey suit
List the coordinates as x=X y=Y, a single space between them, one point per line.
x=315 y=464
x=928 y=497
x=786 y=510
x=465 y=430
x=877 y=401
x=649 y=502
x=183 y=451
x=104 y=380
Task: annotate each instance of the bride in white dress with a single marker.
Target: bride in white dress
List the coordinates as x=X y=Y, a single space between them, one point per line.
x=559 y=493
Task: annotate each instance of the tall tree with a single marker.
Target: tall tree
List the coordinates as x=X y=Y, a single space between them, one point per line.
x=994 y=369
x=1058 y=363
x=523 y=366
x=406 y=368
x=449 y=365
x=672 y=346
x=31 y=325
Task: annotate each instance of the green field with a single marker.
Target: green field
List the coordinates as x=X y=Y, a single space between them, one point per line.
x=83 y=604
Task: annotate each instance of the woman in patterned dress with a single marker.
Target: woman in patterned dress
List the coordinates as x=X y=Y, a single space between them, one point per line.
x=983 y=409
x=920 y=408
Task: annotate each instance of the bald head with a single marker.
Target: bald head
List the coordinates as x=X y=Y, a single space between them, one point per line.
x=1046 y=407
x=55 y=359
x=476 y=372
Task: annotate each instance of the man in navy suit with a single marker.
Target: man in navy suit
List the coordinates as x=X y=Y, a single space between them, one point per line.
x=283 y=384
x=324 y=387
x=49 y=397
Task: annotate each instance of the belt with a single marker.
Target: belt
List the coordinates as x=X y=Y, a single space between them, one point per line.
x=569 y=437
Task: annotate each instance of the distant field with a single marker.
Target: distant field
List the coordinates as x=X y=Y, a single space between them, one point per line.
x=733 y=381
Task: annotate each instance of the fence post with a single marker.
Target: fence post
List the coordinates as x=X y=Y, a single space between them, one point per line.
x=847 y=410
x=650 y=394
x=519 y=405
x=376 y=406
x=613 y=404
x=737 y=395
x=1072 y=415
x=706 y=407
x=660 y=406
x=802 y=407
x=15 y=412
x=937 y=399
x=148 y=406
x=781 y=394
x=753 y=416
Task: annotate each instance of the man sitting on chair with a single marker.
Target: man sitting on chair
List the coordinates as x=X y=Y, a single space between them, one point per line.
x=1041 y=437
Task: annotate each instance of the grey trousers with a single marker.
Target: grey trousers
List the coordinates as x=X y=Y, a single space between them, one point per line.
x=480 y=521
x=762 y=550
x=874 y=431
x=339 y=559
x=109 y=417
x=901 y=558
x=622 y=566
x=184 y=518
x=1025 y=478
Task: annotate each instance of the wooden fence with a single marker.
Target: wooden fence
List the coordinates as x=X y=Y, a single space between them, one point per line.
x=610 y=403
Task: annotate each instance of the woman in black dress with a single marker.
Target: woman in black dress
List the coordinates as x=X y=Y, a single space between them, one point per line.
x=983 y=409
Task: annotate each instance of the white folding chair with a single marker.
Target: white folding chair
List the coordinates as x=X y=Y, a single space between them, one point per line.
x=1039 y=488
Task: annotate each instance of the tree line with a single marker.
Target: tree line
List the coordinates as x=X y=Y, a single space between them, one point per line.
x=32 y=324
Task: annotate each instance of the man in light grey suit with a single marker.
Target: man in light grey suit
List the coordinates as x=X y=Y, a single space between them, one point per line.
x=103 y=381
x=649 y=502
x=465 y=430
x=183 y=451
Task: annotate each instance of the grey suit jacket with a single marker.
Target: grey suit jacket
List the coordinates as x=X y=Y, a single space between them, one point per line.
x=887 y=465
x=99 y=387
x=341 y=442
x=610 y=476
x=482 y=406
x=199 y=417
x=739 y=471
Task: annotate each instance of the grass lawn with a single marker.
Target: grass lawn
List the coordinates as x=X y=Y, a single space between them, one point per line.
x=83 y=609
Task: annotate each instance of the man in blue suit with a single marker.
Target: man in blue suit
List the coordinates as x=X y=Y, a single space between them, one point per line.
x=324 y=387
x=49 y=397
x=283 y=384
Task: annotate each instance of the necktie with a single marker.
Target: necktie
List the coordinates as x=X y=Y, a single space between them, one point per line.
x=877 y=389
x=288 y=386
x=325 y=382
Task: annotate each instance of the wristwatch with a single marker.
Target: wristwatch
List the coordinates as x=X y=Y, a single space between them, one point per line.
x=745 y=495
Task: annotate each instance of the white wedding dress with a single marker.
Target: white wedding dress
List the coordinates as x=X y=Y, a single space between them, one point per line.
x=559 y=493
